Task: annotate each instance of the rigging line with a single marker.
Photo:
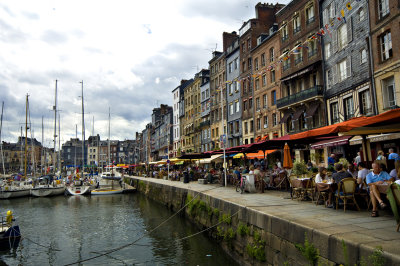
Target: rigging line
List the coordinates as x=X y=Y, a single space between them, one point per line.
x=202 y=231
x=24 y=237
x=137 y=240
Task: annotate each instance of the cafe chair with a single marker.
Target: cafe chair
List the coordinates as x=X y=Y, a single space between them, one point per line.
x=310 y=189
x=363 y=193
x=321 y=193
x=346 y=192
x=396 y=195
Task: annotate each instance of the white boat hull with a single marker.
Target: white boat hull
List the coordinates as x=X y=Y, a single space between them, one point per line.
x=80 y=190
x=47 y=191
x=7 y=194
x=103 y=191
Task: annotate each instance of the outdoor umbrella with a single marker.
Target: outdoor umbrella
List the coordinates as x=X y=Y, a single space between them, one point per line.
x=287 y=159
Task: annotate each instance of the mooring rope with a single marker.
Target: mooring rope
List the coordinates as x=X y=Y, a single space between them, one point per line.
x=134 y=242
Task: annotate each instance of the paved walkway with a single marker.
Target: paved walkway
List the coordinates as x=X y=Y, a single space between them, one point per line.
x=355 y=226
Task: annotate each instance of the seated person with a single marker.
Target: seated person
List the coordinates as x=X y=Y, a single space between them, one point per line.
x=362 y=174
x=322 y=175
x=340 y=174
x=376 y=177
x=351 y=169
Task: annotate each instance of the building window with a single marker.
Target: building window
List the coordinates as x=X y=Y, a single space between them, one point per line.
x=236 y=62
x=231 y=108
x=298 y=55
x=258 y=124
x=237 y=106
x=237 y=129
x=334 y=112
x=266 y=121
x=257 y=84
x=312 y=48
x=257 y=104
x=383 y=8
x=272 y=76
x=327 y=50
x=285 y=34
x=246 y=130
x=250 y=103
x=264 y=80
x=271 y=54
x=363 y=56
x=361 y=14
x=342 y=36
x=365 y=103
x=244 y=66
x=343 y=69
x=263 y=60
x=386 y=45
x=296 y=24
x=274 y=119
x=310 y=14
x=329 y=79
x=286 y=61
x=230 y=67
x=244 y=105
x=389 y=92
x=273 y=97
x=348 y=108
x=256 y=64
x=251 y=126
x=265 y=101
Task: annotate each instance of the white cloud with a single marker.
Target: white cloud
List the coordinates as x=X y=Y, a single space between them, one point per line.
x=130 y=55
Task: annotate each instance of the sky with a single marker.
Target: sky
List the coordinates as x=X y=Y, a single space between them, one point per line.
x=129 y=54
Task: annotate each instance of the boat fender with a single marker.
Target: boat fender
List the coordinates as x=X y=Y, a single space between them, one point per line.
x=9 y=217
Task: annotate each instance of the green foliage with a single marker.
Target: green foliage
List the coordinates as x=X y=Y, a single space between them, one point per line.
x=202 y=206
x=314 y=169
x=256 y=249
x=209 y=211
x=345 y=254
x=225 y=218
x=344 y=162
x=375 y=259
x=308 y=251
x=243 y=229
x=229 y=235
x=216 y=212
x=330 y=168
x=299 y=168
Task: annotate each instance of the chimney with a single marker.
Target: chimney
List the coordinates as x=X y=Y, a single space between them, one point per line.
x=228 y=39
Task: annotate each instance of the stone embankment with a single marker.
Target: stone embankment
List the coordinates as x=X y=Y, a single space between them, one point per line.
x=260 y=229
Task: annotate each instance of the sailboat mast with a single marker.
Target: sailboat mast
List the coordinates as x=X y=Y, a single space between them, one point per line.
x=22 y=158
x=26 y=134
x=59 y=142
x=42 y=153
x=1 y=143
x=76 y=137
x=55 y=127
x=109 y=128
x=83 y=133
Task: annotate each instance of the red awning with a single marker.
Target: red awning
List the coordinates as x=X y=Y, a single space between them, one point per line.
x=331 y=142
x=392 y=116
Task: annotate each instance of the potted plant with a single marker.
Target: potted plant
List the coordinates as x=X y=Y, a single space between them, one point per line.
x=299 y=168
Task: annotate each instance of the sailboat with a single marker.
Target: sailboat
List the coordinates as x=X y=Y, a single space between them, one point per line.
x=107 y=179
x=80 y=187
x=48 y=185
x=13 y=188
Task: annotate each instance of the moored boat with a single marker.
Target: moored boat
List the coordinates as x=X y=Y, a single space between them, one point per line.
x=15 y=189
x=78 y=187
x=48 y=187
x=10 y=234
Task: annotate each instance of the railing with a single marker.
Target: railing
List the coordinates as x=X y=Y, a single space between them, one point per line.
x=300 y=96
x=286 y=67
x=296 y=30
x=312 y=52
x=285 y=37
x=298 y=60
x=310 y=20
x=204 y=123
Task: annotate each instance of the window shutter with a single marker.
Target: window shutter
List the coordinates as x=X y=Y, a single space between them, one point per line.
x=334 y=42
x=325 y=17
x=348 y=66
x=334 y=75
x=349 y=30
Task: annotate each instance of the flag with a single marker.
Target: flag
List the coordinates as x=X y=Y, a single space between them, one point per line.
x=348 y=5
x=342 y=13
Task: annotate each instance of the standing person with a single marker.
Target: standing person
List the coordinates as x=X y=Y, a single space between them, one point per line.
x=381 y=156
x=357 y=160
x=331 y=159
x=393 y=155
x=375 y=178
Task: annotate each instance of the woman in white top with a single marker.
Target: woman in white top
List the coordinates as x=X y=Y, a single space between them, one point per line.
x=322 y=175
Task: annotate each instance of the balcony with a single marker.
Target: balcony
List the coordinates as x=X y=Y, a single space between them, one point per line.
x=204 y=123
x=310 y=20
x=285 y=37
x=312 y=52
x=296 y=30
x=300 y=96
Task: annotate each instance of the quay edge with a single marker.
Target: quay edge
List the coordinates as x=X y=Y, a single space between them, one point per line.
x=253 y=237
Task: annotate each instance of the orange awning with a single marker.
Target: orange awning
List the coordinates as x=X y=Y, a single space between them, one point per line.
x=259 y=154
x=391 y=116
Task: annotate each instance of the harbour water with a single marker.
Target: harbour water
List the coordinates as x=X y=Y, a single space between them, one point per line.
x=63 y=230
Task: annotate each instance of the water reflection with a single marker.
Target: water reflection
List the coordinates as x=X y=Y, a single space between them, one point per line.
x=84 y=226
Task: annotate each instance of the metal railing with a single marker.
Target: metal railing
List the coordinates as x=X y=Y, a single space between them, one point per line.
x=298 y=60
x=300 y=96
x=310 y=20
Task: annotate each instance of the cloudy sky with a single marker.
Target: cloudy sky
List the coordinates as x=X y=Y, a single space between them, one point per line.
x=130 y=55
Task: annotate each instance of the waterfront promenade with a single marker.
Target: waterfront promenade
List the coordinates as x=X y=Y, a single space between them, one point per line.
x=325 y=227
